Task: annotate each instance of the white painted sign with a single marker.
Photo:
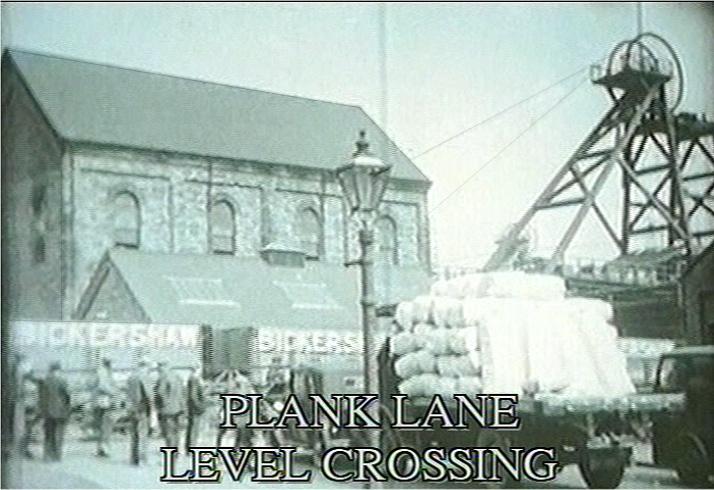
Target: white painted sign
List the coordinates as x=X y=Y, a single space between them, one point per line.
x=308 y=342
x=93 y=334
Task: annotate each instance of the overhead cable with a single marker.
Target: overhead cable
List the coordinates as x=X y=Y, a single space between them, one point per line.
x=499 y=113
x=507 y=146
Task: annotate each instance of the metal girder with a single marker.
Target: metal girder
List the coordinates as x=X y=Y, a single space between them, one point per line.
x=600 y=214
x=699 y=201
x=508 y=245
x=567 y=185
x=702 y=175
x=648 y=229
x=652 y=169
x=557 y=204
x=616 y=156
x=638 y=118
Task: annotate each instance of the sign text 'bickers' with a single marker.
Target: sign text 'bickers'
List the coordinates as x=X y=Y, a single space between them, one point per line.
x=308 y=342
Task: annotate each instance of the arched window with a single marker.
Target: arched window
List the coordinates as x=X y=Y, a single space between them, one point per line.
x=386 y=240
x=310 y=231
x=127 y=220
x=39 y=222
x=223 y=228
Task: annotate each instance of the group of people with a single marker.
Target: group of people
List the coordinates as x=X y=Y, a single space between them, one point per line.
x=165 y=398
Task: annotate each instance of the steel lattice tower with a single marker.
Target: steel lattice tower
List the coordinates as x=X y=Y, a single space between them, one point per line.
x=645 y=88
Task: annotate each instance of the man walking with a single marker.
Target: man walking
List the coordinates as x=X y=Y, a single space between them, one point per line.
x=33 y=383
x=105 y=391
x=169 y=403
x=196 y=406
x=55 y=408
x=139 y=406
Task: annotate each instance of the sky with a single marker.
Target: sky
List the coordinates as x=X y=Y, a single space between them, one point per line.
x=448 y=66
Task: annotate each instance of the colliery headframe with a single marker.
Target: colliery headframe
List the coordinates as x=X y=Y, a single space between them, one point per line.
x=653 y=145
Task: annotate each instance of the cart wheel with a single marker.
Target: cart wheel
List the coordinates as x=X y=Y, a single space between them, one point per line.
x=391 y=440
x=501 y=440
x=691 y=462
x=601 y=469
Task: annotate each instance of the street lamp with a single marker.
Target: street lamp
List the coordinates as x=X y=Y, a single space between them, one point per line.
x=363 y=181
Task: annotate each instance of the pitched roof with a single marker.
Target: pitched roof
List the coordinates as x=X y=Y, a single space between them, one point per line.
x=97 y=103
x=227 y=291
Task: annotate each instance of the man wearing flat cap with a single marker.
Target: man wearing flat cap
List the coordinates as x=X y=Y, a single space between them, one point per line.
x=170 y=403
x=196 y=403
x=140 y=406
x=55 y=407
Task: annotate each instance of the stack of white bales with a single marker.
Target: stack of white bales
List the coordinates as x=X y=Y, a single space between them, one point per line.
x=507 y=332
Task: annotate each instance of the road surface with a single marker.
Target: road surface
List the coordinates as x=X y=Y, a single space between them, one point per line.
x=81 y=469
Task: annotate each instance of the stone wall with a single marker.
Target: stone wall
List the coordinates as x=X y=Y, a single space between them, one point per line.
x=173 y=194
x=31 y=206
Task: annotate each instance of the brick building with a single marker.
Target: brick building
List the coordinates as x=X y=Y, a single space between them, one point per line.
x=97 y=157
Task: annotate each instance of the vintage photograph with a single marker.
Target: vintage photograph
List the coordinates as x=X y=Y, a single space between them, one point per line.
x=438 y=201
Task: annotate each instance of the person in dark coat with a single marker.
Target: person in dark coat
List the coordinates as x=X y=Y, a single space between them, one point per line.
x=388 y=378
x=196 y=403
x=238 y=383
x=33 y=383
x=139 y=405
x=170 y=403
x=55 y=408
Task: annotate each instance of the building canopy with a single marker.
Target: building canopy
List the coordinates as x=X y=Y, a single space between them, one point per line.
x=229 y=292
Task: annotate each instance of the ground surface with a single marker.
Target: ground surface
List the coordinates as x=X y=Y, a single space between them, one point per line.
x=81 y=469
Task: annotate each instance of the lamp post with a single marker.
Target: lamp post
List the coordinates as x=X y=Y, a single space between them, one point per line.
x=363 y=181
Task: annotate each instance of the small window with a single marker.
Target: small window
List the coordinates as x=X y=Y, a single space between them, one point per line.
x=39 y=217
x=310 y=230
x=127 y=220
x=223 y=228
x=387 y=241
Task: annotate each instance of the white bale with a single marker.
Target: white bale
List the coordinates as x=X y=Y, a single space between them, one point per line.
x=474 y=361
x=454 y=287
x=407 y=366
x=609 y=362
x=420 y=385
x=410 y=387
x=439 y=288
x=475 y=285
x=425 y=361
x=469 y=385
x=436 y=341
x=592 y=307
x=444 y=386
x=445 y=366
x=422 y=331
x=422 y=309
x=548 y=330
x=478 y=310
x=447 y=312
x=504 y=353
x=518 y=284
x=545 y=287
x=403 y=343
x=463 y=340
x=457 y=366
x=404 y=315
